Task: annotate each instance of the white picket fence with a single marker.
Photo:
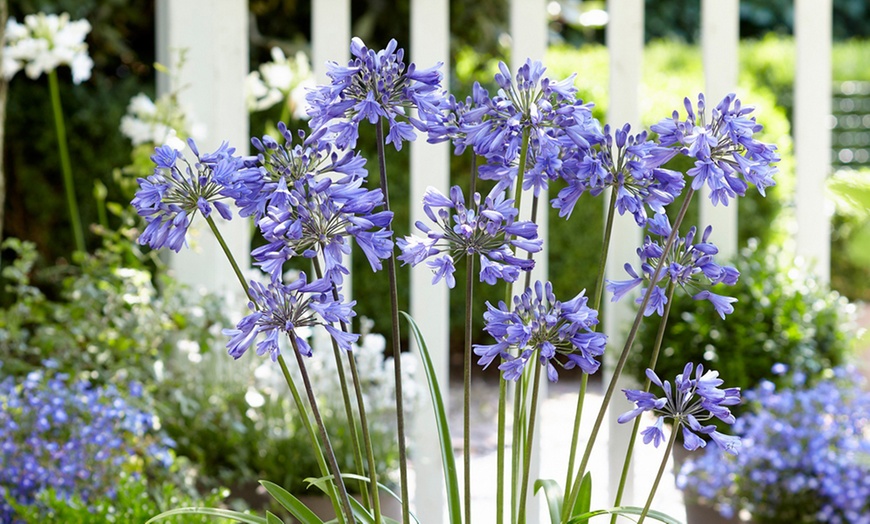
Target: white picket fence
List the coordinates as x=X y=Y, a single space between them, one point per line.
x=215 y=33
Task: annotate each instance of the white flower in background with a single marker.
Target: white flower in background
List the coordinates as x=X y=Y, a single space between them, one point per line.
x=160 y=123
x=44 y=42
x=281 y=80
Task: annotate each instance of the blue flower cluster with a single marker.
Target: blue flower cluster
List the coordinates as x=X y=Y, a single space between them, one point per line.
x=279 y=308
x=726 y=154
x=805 y=456
x=169 y=199
x=540 y=323
x=375 y=85
x=68 y=435
x=488 y=229
x=688 y=403
x=688 y=264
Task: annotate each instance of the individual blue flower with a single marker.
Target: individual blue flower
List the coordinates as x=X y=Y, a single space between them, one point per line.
x=318 y=218
x=688 y=265
x=278 y=309
x=488 y=229
x=314 y=157
x=375 y=85
x=690 y=401
x=727 y=156
x=169 y=199
x=632 y=166
x=559 y=333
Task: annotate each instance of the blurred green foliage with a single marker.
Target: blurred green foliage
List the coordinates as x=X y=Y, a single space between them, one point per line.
x=782 y=315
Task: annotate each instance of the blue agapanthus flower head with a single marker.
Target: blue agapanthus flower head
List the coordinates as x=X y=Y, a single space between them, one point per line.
x=688 y=402
x=318 y=218
x=689 y=264
x=558 y=333
x=486 y=227
x=632 y=166
x=375 y=85
x=727 y=156
x=278 y=309
x=560 y=127
x=169 y=199
x=314 y=156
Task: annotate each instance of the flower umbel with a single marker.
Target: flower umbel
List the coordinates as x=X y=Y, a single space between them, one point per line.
x=375 y=85
x=279 y=308
x=560 y=332
x=170 y=198
x=487 y=229
x=689 y=265
x=44 y=42
x=688 y=403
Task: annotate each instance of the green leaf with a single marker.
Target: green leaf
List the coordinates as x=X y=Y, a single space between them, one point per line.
x=271 y=518
x=584 y=497
x=449 y=463
x=296 y=508
x=553 y=493
x=210 y=512
x=625 y=511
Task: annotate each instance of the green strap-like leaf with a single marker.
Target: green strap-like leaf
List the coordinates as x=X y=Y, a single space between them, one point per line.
x=271 y=518
x=210 y=512
x=584 y=497
x=295 y=506
x=554 y=495
x=449 y=463
x=625 y=511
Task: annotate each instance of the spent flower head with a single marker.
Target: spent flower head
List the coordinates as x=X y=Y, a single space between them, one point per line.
x=727 y=157
x=44 y=42
x=539 y=325
x=487 y=228
x=375 y=85
x=689 y=265
x=686 y=404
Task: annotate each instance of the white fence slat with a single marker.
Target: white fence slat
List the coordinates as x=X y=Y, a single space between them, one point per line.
x=430 y=166
x=720 y=31
x=528 y=29
x=625 y=40
x=211 y=84
x=812 y=131
x=330 y=35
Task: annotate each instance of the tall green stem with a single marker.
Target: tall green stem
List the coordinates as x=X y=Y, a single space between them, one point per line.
x=636 y=426
x=300 y=405
x=661 y=472
x=502 y=389
x=623 y=357
x=596 y=305
x=466 y=386
x=530 y=437
x=348 y=407
x=324 y=437
x=312 y=435
x=397 y=348
x=66 y=168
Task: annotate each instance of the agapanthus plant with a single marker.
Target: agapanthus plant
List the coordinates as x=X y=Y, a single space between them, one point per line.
x=488 y=229
x=283 y=81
